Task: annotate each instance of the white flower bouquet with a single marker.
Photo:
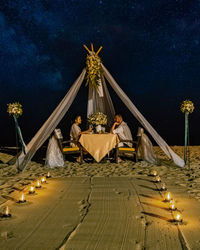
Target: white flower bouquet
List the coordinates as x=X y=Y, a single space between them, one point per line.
x=15 y=109
x=187 y=106
x=98 y=119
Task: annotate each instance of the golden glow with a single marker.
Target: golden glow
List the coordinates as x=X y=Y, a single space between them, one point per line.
x=172 y=205
x=38 y=185
x=178 y=216
x=22 y=197
x=43 y=179
x=168 y=196
x=48 y=175
x=153 y=173
x=163 y=186
x=32 y=190
x=7 y=211
x=158 y=179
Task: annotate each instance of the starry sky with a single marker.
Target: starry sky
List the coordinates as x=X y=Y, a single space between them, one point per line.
x=152 y=49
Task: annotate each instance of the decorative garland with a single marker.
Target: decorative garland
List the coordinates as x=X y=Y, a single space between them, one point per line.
x=93 y=69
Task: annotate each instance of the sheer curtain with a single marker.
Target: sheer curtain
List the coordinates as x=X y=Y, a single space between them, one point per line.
x=44 y=132
x=163 y=145
x=99 y=100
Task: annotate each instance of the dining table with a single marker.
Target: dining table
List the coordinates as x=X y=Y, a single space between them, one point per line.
x=98 y=145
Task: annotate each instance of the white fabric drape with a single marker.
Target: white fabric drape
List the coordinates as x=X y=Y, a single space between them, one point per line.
x=163 y=145
x=99 y=100
x=54 y=156
x=145 y=148
x=44 y=132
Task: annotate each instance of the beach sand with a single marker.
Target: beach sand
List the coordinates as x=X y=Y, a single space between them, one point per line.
x=101 y=205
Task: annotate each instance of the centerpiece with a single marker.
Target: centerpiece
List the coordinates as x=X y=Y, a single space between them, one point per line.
x=98 y=119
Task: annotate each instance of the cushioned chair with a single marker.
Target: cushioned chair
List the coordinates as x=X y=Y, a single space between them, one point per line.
x=65 y=146
x=123 y=151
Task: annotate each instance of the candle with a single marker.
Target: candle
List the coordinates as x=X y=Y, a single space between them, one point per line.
x=168 y=196
x=43 y=179
x=32 y=190
x=6 y=212
x=38 y=184
x=178 y=216
x=153 y=172
x=48 y=175
x=22 y=198
x=172 y=205
x=163 y=186
x=157 y=178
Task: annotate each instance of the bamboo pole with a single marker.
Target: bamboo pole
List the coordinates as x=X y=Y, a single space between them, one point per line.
x=99 y=50
x=86 y=48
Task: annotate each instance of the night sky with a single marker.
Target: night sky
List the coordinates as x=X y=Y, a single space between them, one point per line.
x=151 y=47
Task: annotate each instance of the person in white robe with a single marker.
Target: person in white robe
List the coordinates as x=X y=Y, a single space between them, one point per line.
x=122 y=130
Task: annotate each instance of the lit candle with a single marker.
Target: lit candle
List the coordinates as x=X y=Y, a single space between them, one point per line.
x=38 y=185
x=153 y=172
x=172 y=205
x=157 y=178
x=22 y=198
x=48 y=175
x=6 y=212
x=168 y=196
x=32 y=190
x=163 y=187
x=43 y=179
x=178 y=216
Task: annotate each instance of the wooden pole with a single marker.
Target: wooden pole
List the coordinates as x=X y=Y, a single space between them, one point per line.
x=186 y=137
x=92 y=47
x=86 y=48
x=99 y=50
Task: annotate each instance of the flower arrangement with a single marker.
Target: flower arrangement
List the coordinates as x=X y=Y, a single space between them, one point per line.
x=15 y=109
x=187 y=106
x=98 y=119
x=93 y=68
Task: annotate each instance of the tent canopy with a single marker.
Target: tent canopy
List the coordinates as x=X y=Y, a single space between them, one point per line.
x=98 y=100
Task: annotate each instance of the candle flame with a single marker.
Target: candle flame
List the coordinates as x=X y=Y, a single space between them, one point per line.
x=38 y=183
x=22 y=197
x=178 y=216
x=168 y=196
x=48 y=174
x=7 y=211
x=32 y=188
x=43 y=179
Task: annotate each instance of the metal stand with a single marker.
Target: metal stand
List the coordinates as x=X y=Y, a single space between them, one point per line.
x=186 y=144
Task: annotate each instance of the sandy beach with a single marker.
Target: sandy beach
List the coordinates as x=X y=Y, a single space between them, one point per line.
x=101 y=205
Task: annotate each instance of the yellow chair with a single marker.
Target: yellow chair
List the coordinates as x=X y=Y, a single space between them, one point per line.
x=123 y=151
x=67 y=150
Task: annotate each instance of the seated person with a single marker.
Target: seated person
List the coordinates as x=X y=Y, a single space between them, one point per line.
x=122 y=130
x=75 y=130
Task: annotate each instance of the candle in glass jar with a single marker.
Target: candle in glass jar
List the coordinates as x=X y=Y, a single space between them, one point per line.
x=32 y=190
x=168 y=196
x=22 y=198
x=178 y=216
x=38 y=184
x=172 y=205
x=48 y=175
x=43 y=179
x=157 y=178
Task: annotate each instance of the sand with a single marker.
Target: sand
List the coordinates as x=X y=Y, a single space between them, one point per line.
x=101 y=206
